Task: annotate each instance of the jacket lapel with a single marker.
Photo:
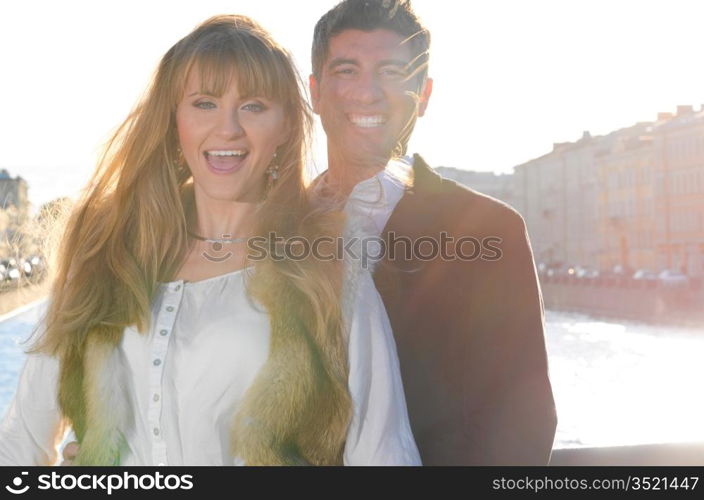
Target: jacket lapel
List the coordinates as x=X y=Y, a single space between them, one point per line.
x=417 y=214
x=414 y=212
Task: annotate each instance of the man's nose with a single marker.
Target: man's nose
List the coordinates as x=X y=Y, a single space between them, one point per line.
x=229 y=125
x=367 y=89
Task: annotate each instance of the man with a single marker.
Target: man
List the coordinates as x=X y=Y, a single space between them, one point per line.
x=468 y=323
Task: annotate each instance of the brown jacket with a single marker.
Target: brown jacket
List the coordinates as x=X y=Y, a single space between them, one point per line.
x=469 y=333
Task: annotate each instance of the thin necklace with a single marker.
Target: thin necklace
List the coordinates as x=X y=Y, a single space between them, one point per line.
x=225 y=239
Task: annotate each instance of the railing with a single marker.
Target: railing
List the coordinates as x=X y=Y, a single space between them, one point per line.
x=642 y=300
x=649 y=454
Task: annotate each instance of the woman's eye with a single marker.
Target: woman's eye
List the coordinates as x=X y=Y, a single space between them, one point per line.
x=254 y=106
x=204 y=105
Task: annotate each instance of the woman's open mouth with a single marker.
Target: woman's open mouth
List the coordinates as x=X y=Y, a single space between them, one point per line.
x=225 y=161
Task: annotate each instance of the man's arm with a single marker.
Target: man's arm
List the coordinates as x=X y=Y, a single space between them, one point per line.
x=508 y=404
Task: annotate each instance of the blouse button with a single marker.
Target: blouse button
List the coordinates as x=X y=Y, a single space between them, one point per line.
x=177 y=288
x=163 y=333
x=156 y=397
x=157 y=362
x=156 y=431
x=170 y=308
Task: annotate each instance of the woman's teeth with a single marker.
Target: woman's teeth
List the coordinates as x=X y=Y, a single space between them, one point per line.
x=235 y=152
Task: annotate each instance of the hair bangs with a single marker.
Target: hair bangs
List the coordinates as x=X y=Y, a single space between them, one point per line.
x=256 y=69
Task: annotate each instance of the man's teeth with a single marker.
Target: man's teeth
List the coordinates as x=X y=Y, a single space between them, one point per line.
x=368 y=121
x=237 y=152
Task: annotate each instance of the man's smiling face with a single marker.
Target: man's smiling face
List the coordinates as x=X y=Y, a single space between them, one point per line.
x=366 y=96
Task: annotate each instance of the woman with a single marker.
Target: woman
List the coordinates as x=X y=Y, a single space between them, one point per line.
x=164 y=342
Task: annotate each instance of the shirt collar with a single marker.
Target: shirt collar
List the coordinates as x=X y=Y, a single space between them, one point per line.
x=395 y=178
x=380 y=189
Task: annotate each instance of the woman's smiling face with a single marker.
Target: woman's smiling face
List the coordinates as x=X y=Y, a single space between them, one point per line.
x=228 y=140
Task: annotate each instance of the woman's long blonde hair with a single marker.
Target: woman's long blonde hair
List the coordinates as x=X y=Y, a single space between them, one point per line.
x=128 y=233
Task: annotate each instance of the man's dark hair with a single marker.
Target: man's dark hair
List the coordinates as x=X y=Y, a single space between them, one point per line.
x=368 y=15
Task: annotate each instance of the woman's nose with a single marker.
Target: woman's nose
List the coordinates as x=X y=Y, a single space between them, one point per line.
x=229 y=125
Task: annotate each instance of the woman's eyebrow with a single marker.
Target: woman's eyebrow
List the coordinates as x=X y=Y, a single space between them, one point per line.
x=201 y=92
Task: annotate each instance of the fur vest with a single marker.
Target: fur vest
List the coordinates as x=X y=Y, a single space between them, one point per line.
x=296 y=412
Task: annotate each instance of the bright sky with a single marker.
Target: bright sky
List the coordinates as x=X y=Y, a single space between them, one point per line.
x=511 y=76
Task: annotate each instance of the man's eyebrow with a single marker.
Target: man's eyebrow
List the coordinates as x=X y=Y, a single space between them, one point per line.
x=339 y=61
x=394 y=62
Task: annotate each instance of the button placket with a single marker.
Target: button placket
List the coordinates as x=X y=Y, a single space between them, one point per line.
x=160 y=345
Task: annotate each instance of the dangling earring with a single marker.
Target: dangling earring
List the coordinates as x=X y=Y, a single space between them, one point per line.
x=272 y=173
x=179 y=157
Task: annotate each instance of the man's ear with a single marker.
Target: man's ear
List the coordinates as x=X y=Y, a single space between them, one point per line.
x=425 y=96
x=314 y=93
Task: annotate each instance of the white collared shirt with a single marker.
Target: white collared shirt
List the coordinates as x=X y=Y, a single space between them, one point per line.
x=378 y=196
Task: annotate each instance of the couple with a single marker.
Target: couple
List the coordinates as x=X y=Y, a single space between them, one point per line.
x=166 y=342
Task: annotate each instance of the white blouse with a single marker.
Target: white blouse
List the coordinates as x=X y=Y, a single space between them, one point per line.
x=206 y=344
x=191 y=371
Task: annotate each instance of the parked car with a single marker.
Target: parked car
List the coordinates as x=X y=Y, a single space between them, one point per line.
x=623 y=271
x=13 y=275
x=670 y=277
x=542 y=269
x=645 y=275
x=560 y=273
x=8 y=264
x=644 y=278
x=26 y=268
x=38 y=268
x=14 y=272
x=9 y=270
x=586 y=273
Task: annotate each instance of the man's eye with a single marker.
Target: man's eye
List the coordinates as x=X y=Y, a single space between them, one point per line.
x=393 y=72
x=204 y=105
x=344 y=71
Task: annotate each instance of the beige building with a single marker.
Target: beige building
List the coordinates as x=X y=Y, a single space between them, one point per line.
x=557 y=195
x=499 y=186
x=634 y=197
x=13 y=191
x=679 y=193
x=540 y=199
x=626 y=204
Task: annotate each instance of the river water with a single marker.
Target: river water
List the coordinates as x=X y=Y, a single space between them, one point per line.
x=615 y=382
